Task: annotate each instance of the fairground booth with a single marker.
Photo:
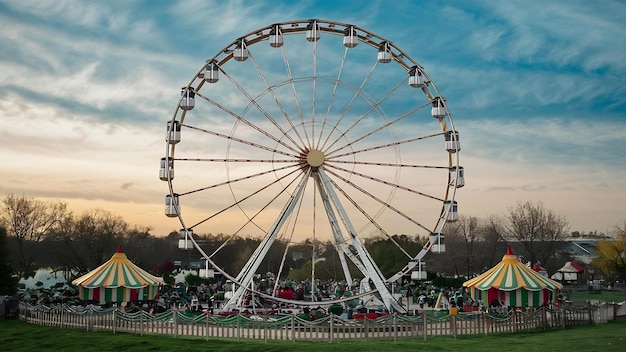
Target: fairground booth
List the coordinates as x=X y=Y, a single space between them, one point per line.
x=118 y=280
x=513 y=284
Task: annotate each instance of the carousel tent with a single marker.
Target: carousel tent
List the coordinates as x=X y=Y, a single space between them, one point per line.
x=118 y=280
x=513 y=283
x=569 y=272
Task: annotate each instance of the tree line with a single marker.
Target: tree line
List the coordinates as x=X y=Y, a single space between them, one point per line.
x=40 y=234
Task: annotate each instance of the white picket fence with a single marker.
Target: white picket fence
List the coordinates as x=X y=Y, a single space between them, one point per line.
x=329 y=328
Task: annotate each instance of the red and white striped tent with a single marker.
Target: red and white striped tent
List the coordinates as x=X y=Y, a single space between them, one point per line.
x=513 y=283
x=118 y=280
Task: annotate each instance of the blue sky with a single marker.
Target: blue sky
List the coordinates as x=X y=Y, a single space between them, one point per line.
x=536 y=89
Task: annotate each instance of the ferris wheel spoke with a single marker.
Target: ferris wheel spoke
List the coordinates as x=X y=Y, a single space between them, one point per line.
x=238 y=202
x=294 y=92
x=372 y=163
x=332 y=97
x=233 y=181
x=250 y=220
x=242 y=141
x=370 y=218
x=382 y=146
x=373 y=107
x=387 y=183
x=314 y=95
x=380 y=201
x=258 y=107
x=278 y=103
x=357 y=93
x=377 y=129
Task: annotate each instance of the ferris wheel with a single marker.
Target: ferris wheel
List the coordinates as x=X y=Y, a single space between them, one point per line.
x=313 y=130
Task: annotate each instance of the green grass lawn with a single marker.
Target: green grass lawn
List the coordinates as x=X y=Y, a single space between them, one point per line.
x=607 y=296
x=19 y=336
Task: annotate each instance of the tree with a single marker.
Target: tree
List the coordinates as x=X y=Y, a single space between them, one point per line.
x=537 y=229
x=461 y=244
x=29 y=221
x=8 y=281
x=612 y=254
x=89 y=239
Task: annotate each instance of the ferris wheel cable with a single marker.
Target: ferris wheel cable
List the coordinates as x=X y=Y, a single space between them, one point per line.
x=314 y=95
x=243 y=141
x=296 y=99
x=387 y=124
x=387 y=145
x=248 y=177
x=369 y=217
x=394 y=185
x=276 y=100
x=332 y=97
x=291 y=161
x=293 y=89
x=372 y=163
x=250 y=219
x=247 y=197
x=259 y=108
x=370 y=195
x=377 y=129
x=348 y=106
x=267 y=204
x=375 y=106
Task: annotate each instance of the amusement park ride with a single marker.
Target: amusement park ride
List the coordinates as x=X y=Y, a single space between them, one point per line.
x=312 y=129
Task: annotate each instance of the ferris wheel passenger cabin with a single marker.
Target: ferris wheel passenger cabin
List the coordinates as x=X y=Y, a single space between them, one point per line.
x=438 y=109
x=451 y=208
x=350 y=38
x=173 y=132
x=172 y=209
x=384 y=53
x=452 y=141
x=276 y=37
x=416 y=78
x=211 y=73
x=184 y=243
x=241 y=50
x=456 y=175
x=188 y=98
x=167 y=169
x=437 y=243
x=313 y=31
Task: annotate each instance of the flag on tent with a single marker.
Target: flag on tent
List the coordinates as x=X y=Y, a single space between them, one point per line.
x=118 y=280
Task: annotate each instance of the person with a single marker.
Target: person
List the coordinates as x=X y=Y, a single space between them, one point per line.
x=195 y=304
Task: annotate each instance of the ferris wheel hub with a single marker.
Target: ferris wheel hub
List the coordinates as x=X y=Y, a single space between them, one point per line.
x=315 y=158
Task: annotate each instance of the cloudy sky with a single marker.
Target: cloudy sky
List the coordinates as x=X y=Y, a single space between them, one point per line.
x=536 y=89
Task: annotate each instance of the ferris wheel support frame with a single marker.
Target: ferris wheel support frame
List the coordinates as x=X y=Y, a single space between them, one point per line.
x=367 y=266
x=244 y=279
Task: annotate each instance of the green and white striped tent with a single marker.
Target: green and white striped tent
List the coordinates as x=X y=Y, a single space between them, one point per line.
x=513 y=283
x=118 y=280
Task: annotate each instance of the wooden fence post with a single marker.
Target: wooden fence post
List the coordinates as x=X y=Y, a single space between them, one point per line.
x=425 y=325
x=293 y=328
x=395 y=327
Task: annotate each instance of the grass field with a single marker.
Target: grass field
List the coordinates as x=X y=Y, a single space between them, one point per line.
x=606 y=296
x=19 y=336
